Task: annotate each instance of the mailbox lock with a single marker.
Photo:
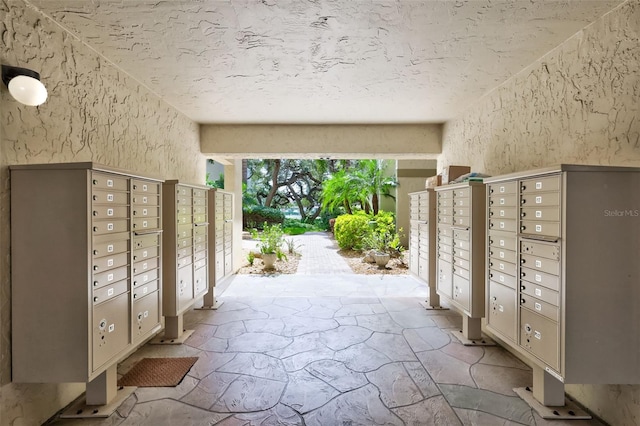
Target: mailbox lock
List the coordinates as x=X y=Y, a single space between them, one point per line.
x=527 y=328
x=102 y=325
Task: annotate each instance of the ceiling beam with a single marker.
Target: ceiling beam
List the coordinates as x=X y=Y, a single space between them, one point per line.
x=393 y=141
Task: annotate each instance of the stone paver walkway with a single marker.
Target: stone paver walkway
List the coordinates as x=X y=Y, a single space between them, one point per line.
x=330 y=349
x=319 y=255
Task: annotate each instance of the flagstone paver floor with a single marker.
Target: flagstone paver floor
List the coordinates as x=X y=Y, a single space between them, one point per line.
x=340 y=349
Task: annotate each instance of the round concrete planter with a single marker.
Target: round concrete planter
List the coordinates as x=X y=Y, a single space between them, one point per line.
x=269 y=259
x=381 y=259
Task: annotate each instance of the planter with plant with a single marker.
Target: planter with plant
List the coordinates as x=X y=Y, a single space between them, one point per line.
x=383 y=240
x=270 y=244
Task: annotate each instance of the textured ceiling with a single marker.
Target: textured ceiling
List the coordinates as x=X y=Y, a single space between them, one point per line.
x=322 y=61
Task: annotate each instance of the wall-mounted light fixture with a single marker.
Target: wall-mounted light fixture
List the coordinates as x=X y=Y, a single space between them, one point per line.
x=24 y=85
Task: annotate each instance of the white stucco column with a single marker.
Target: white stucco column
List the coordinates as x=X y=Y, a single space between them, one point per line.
x=233 y=183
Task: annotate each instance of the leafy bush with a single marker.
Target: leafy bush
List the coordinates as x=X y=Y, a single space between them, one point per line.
x=361 y=231
x=255 y=216
x=350 y=230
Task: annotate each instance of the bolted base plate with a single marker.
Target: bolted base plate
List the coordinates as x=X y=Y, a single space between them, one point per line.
x=210 y=308
x=428 y=307
x=161 y=340
x=483 y=341
x=569 y=411
x=80 y=410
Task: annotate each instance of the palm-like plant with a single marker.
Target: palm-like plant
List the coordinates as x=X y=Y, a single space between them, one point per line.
x=374 y=183
x=337 y=192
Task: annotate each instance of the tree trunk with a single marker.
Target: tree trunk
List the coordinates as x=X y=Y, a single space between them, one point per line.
x=375 y=203
x=274 y=183
x=347 y=207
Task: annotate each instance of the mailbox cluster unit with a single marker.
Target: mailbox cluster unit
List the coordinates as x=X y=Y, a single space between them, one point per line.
x=422 y=241
x=563 y=277
x=86 y=258
x=222 y=238
x=186 y=256
x=99 y=256
x=460 y=252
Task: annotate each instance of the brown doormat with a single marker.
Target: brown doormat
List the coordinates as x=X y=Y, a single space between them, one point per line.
x=157 y=372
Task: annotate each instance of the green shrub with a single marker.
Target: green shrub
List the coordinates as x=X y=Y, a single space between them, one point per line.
x=256 y=216
x=350 y=230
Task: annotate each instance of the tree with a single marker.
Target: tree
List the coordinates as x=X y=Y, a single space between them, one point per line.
x=284 y=182
x=370 y=174
x=363 y=184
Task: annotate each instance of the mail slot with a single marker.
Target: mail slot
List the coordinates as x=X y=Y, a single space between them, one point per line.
x=503 y=255
x=541 y=213
x=143 y=186
x=445 y=231
x=110 y=277
x=109 y=181
x=107 y=211
x=145 y=265
x=540 y=278
x=551 y=229
x=540 y=264
x=445 y=257
x=109 y=197
x=110 y=247
x=107 y=226
x=145 y=277
x=543 y=184
x=109 y=262
x=502 y=278
x=545 y=199
x=506 y=225
x=503 y=201
x=144 y=289
x=500 y=212
x=145 y=253
x=146 y=223
x=497 y=239
x=109 y=291
x=149 y=200
x=540 y=307
x=502 y=188
x=540 y=292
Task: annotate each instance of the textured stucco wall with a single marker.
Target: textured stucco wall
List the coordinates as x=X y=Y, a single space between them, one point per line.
x=578 y=104
x=94 y=113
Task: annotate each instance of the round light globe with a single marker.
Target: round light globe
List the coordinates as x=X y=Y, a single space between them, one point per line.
x=27 y=90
